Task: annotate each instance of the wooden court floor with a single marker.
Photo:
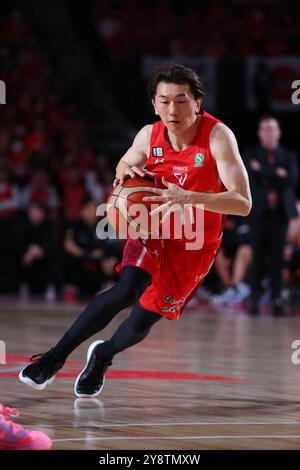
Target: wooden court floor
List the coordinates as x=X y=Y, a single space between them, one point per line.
x=208 y=381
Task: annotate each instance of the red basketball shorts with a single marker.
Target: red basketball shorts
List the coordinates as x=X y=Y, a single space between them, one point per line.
x=176 y=273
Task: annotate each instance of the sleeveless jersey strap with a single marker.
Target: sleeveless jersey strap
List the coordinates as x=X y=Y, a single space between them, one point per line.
x=155 y=135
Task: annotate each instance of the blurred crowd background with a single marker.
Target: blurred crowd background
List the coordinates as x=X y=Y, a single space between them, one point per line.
x=75 y=76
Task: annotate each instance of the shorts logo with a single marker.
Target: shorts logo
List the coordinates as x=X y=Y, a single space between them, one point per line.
x=199 y=158
x=157 y=152
x=181 y=173
x=175 y=304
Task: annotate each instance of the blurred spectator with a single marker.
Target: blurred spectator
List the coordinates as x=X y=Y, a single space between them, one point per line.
x=9 y=204
x=40 y=190
x=74 y=192
x=262 y=27
x=292 y=261
x=37 y=249
x=262 y=88
x=88 y=261
x=9 y=197
x=233 y=261
x=273 y=174
x=99 y=180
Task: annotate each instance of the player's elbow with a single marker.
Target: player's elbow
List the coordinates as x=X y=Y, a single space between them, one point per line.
x=242 y=203
x=246 y=207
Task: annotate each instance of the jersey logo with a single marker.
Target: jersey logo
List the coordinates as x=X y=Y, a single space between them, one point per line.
x=199 y=158
x=181 y=173
x=157 y=152
x=159 y=160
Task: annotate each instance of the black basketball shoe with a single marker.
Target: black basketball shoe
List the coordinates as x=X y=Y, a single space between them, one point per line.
x=42 y=370
x=90 y=381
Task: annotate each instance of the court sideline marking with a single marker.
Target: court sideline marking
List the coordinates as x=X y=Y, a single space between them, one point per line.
x=214 y=437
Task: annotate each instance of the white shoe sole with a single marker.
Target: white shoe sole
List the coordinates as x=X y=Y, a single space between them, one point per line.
x=89 y=353
x=31 y=383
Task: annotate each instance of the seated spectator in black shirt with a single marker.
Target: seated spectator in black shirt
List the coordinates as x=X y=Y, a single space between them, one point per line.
x=37 y=249
x=88 y=261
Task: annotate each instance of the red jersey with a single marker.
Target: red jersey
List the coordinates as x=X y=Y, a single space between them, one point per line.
x=193 y=169
x=176 y=271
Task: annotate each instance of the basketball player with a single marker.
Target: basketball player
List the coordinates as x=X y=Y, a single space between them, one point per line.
x=198 y=159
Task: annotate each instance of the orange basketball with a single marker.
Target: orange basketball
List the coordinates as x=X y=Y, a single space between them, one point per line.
x=127 y=213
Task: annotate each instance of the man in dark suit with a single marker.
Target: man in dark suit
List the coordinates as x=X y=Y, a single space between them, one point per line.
x=273 y=174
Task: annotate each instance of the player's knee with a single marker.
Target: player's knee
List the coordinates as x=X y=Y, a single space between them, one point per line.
x=132 y=287
x=129 y=292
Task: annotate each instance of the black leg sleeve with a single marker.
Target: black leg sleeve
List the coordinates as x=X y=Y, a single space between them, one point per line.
x=102 y=309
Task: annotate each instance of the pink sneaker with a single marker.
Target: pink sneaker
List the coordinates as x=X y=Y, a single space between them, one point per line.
x=13 y=436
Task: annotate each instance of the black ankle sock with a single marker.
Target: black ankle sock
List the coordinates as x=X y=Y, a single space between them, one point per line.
x=64 y=347
x=106 y=350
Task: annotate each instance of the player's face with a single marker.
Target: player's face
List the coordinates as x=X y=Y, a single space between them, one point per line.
x=176 y=106
x=269 y=133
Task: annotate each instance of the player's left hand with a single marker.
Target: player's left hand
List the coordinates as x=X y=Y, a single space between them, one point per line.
x=172 y=195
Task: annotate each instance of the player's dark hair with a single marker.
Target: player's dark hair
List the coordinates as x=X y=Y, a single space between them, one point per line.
x=268 y=117
x=175 y=73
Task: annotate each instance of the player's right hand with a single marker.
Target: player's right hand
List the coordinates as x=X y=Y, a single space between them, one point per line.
x=131 y=172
